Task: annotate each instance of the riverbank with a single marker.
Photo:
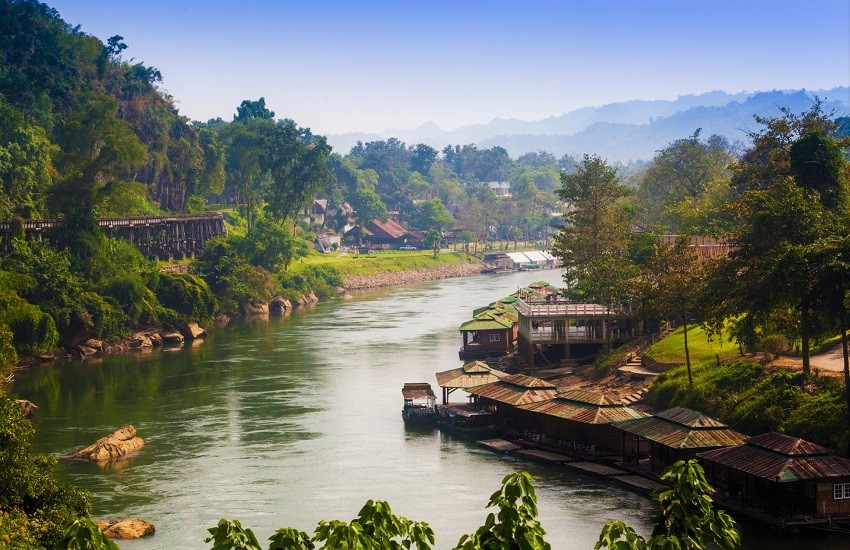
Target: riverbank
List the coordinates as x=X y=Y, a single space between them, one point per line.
x=411 y=276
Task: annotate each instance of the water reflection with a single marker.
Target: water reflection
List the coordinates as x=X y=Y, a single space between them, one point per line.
x=290 y=420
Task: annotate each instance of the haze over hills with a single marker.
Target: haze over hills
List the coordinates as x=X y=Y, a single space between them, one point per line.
x=623 y=131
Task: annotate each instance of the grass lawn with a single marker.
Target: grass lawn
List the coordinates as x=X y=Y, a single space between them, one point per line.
x=671 y=349
x=384 y=261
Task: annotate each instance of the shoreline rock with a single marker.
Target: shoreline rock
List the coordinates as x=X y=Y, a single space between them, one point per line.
x=119 y=443
x=126 y=529
x=394 y=278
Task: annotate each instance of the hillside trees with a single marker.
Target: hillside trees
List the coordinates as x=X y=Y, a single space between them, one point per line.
x=783 y=219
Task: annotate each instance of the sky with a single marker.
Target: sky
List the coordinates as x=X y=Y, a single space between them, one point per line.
x=366 y=66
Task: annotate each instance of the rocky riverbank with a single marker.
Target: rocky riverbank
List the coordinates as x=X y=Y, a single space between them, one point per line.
x=383 y=279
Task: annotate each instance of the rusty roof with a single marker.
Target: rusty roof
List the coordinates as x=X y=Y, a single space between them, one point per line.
x=681 y=428
x=583 y=412
x=417 y=390
x=778 y=466
x=787 y=445
x=690 y=418
x=589 y=397
x=516 y=389
x=390 y=227
x=473 y=373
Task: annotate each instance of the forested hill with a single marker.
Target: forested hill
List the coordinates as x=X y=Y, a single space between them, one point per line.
x=624 y=131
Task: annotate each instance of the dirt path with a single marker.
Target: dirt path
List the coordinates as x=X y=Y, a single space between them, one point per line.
x=832 y=360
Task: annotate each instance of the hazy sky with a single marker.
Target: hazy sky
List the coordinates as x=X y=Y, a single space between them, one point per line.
x=361 y=65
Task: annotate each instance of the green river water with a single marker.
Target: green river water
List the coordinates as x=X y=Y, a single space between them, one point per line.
x=286 y=421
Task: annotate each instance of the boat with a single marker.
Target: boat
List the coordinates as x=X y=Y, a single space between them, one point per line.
x=466 y=420
x=419 y=404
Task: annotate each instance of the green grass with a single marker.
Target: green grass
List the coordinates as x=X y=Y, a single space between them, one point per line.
x=671 y=348
x=384 y=261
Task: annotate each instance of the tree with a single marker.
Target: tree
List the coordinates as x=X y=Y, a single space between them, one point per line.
x=671 y=285
x=516 y=525
x=687 y=521
x=594 y=236
x=424 y=156
x=248 y=110
x=25 y=167
x=368 y=206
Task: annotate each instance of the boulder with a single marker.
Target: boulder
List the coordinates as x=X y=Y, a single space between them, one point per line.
x=191 y=331
x=156 y=339
x=85 y=351
x=255 y=307
x=126 y=529
x=172 y=338
x=280 y=305
x=117 y=444
x=221 y=320
x=140 y=340
x=94 y=344
x=312 y=298
x=28 y=407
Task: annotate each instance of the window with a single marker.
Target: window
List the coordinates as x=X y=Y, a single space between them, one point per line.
x=495 y=337
x=841 y=491
x=810 y=489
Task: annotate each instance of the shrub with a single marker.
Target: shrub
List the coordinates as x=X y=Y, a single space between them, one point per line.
x=186 y=294
x=8 y=354
x=774 y=344
x=30 y=487
x=33 y=330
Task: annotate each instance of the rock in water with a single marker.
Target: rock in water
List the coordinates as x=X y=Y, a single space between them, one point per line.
x=192 y=331
x=119 y=443
x=125 y=529
x=28 y=407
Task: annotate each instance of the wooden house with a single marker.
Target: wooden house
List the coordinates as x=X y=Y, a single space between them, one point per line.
x=471 y=374
x=580 y=417
x=490 y=333
x=786 y=477
x=504 y=396
x=675 y=434
x=379 y=233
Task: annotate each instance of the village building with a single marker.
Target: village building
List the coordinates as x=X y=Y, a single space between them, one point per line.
x=501 y=189
x=503 y=396
x=674 y=434
x=784 y=476
x=471 y=374
x=557 y=322
x=489 y=333
x=580 y=419
x=327 y=241
x=315 y=212
x=386 y=234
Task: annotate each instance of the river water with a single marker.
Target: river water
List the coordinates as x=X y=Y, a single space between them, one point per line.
x=286 y=421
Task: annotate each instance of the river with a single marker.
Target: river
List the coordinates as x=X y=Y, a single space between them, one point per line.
x=286 y=421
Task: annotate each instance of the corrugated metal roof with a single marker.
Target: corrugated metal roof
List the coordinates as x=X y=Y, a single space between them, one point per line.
x=582 y=412
x=516 y=389
x=777 y=466
x=787 y=445
x=536 y=256
x=473 y=373
x=589 y=397
x=518 y=257
x=417 y=390
x=687 y=417
x=681 y=435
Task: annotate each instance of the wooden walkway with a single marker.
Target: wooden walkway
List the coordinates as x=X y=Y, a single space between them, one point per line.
x=637 y=483
x=544 y=456
x=595 y=468
x=499 y=445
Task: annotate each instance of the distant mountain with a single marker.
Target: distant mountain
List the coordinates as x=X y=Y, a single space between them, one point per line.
x=629 y=130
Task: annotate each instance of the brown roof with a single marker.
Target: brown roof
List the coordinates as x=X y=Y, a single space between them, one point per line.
x=516 y=389
x=417 y=390
x=473 y=373
x=681 y=428
x=781 y=458
x=582 y=412
x=583 y=406
x=390 y=227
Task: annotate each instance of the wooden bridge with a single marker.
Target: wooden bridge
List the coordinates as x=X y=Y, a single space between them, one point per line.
x=157 y=237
